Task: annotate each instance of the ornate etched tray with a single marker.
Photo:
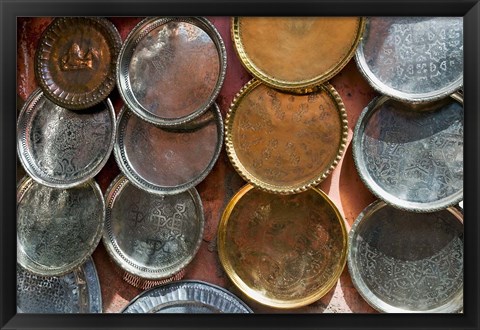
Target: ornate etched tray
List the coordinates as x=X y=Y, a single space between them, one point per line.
x=404 y=262
x=283 y=251
x=61 y=148
x=187 y=297
x=75 y=292
x=415 y=59
x=170 y=70
x=411 y=155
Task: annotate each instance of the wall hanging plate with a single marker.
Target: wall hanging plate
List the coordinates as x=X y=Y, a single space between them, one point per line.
x=285 y=143
x=405 y=262
x=61 y=148
x=187 y=297
x=151 y=236
x=75 y=292
x=170 y=70
x=75 y=61
x=283 y=251
x=168 y=160
x=295 y=53
x=415 y=59
x=411 y=156
x=57 y=229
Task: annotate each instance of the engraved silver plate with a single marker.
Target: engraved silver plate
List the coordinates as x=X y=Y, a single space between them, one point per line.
x=57 y=229
x=75 y=292
x=405 y=262
x=411 y=156
x=149 y=235
x=168 y=160
x=170 y=70
x=187 y=297
x=61 y=148
x=414 y=59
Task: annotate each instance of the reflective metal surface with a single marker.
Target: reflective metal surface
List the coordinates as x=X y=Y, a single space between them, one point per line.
x=75 y=292
x=57 y=229
x=411 y=156
x=404 y=262
x=415 y=59
x=76 y=59
x=170 y=70
x=285 y=143
x=283 y=251
x=61 y=148
x=168 y=161
x=187 y=297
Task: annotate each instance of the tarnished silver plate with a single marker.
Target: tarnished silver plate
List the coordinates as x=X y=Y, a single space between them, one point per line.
x=75 y=292
x=149 y=235
x=57 y=229
x=187 y=297
x=405 y=262
x=61 y=148
x=411 y=156
x=415 y=59
x=170 y=70
x=168 y=160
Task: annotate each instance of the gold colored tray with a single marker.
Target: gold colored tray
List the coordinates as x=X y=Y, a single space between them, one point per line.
x=296 y=53
x=285 y=143
x=283 y=251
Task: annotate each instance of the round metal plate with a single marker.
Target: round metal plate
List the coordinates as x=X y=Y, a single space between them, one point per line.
x=75 y=61
x=57 y=229
x=411 y=156
x=187 y=297
x=403 y=262
x=415 y=59
x=170 y=70
x=295 y=53
x=283 y=251
x=151 y=236
x=168 y=160
x=75 y=292
x=285 y=143
x=61 y=148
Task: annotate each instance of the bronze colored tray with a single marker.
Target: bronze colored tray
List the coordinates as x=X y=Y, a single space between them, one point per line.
x=283 y=251
x=285 y=143
x=296 y=53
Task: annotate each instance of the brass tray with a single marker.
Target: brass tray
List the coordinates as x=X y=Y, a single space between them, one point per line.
x=283 y=251
x=285 y=143
x=170 y=70
x=406 y=262
x=295 y=53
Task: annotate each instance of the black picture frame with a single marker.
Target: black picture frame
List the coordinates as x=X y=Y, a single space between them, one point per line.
x=11 y=9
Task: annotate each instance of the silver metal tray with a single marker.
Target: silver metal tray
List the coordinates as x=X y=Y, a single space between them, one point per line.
x=406 y=262
x=187 y=297
x=170 y=70
x=75 y=292
x=415 y=59
x=411 y=156
x=61 y=148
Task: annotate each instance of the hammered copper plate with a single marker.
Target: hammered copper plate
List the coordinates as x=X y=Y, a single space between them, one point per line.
x=57 y=229
x=151 y=236
x=283 y=251
x=170 y=70
x=415 y=59
x=168 y=160
x=61 y=148
x=295 y=53
x=285 y=143
x=411 y=156
x=75 y=61
x=75 y=292
x=404 y=262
